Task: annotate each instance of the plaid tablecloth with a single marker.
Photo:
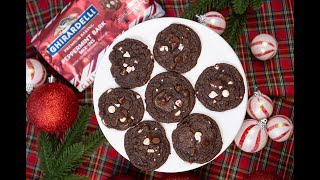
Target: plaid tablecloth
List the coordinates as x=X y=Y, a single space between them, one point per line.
x=273 y=77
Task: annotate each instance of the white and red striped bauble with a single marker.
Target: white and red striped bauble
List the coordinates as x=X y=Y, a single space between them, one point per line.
x=214 y=20
x=260 y=106
x=264 y=46
x=252 y=136
x=279 y=128
x=35 y=74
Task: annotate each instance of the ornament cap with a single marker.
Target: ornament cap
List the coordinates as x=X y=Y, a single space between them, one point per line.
x=257 y=92
x=29 y=88
x=200 y=18
x=51 y=79
x=263 y=123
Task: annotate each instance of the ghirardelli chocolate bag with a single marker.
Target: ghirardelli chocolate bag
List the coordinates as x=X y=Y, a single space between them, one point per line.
x=74 y=41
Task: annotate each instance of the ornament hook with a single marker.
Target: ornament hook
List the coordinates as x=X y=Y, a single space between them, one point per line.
x=263 y=123
x=257 y=91
x=29 y=88
x=51 y=79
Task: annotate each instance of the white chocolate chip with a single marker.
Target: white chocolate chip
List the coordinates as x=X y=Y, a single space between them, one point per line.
x=162 y=48
x=138 y=96
x=123 y=119
x=174 y=107
x=212 y=85
x=120 y=48
x=177 y=113
x=109 y=90
x=133 y=68
x=213 y=94
x=158 y=154
x=161 y=80
x=131 y=117
x=150 y=151
x=157 y=90
x=129 y=69
x=146 y=141
x=140 y=130
x=181 y=46
x=214 y=101
x=222 y=70
x=125 y=65
x=197 y=136
x=230 y=82
x=126 y=54
x=112 y=2
x=154 y=159
x=216 y=67
x=240 y=97
x=220 y=87
x=155 y=129
x=108 y=5
x=178 y=103
x=117 y=105
x=111 y=109
x=135 y=61
x=225 y=93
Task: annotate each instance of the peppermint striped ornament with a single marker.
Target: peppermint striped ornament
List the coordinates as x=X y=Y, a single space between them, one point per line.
x=279 y=128
x=35 y=74
x=252 y=136
x=260 y=106
x=213 y=20
x=264 y=46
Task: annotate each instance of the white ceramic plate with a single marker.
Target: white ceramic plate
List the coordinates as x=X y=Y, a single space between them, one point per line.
x=214 y=50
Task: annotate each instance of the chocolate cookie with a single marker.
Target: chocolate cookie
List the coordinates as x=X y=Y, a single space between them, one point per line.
x=111 y=5
x=220 y=87
x=146 y=145
x=197 y=138
x=120 y=108
x=177 y=48
x=132 y=63
x=169 y=97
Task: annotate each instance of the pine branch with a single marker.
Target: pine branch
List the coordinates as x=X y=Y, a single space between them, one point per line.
x=45 y=149
x=256 y=4
x=221 y=4
x=69 y=159
x=77 y=131
x=240 y=6
x=92 y=142
x=75 y=177
x=197 y=9
x=236 y=24
x=203 y=6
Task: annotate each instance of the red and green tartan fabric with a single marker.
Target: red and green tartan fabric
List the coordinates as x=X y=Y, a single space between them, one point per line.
x=274 y=78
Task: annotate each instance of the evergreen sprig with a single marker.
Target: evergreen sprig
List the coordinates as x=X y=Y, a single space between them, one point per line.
x=240 y=6
x=59 y=159
x=237 y=17
x=235 y=27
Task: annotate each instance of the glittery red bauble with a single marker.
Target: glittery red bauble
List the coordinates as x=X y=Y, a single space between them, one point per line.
x=180 y=176
x=262 y=175
x=52 y=107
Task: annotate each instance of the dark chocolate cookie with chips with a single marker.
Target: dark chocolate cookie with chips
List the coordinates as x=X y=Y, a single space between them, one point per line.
x=220 y=87
x=110 y=5
x=177 y=48
x=120 y=108
x=169 y=97
x=146 y=145
x=197 y=138
x=132 y=63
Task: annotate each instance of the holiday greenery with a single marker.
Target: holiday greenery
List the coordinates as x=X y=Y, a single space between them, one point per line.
x=236 y=20
x=60 y=158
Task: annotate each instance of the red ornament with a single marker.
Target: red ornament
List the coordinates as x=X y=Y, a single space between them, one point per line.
x=52 y=107
x=262 y=175
x=180 y=176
